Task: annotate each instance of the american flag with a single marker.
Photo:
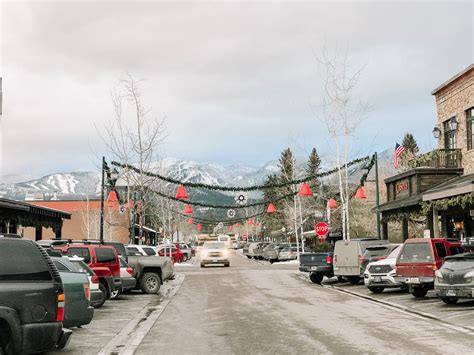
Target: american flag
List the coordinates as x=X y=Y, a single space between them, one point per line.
x=399 y=149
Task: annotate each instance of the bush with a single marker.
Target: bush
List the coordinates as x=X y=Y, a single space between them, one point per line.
x=323 y=247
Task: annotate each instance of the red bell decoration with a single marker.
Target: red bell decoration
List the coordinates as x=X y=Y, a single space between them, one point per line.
x=250 y=221
x=190 y=221
x=181 y=193
x=199 y=226
x=112 y=200
x=230 y=227
x=271 y=208
x=360 y=194
x=305 y=190
x=188 y=209
x=237 y=225
x=332 y=204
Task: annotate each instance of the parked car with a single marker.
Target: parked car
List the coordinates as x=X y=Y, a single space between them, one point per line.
x=249 y=249
x=288 y=253
x=420 y=258
x=381 y=274
x=97 y=297
x=150 y=272
x=186 y=250
x=31 y=299
x=142 y=249
x=215 y=253
x=376 y=252
x=258 y=251
x=348 y=257
x=103 y=260
x=128 y=281
x=171 y=251
x=119 y=247
x=455 y=279
x=77 y=308
x=271 y=254
x=318 y=265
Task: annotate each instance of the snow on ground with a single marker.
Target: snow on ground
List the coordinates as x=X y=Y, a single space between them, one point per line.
x=288 y=262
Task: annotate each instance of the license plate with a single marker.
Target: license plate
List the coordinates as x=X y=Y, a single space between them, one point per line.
x=450 y=293
x=314 y=268
x=377 y=279
x=414 y=280
x=214 y=261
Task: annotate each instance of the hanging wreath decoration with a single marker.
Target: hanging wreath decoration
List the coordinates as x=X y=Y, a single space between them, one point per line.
x=241 y=199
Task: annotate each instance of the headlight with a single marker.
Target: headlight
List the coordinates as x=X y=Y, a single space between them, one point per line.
x=226 y=253
x=204 y=253
x=469 y=277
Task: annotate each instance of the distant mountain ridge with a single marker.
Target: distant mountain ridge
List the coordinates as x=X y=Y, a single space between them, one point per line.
x=78 y=185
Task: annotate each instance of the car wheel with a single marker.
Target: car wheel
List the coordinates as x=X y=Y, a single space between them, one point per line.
x=6 y=344
x=375 y=289
x=150 y=283
x=354 y=280
x=316 y=278
x=202 y=265
x=340 y=279
x=271 y=261
x=248 y=256
x=227 y=265
x=103 y=290
x=419 y=292
x=450 y=300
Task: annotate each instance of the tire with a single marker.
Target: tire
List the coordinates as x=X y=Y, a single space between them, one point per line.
x=340 y=279
x=419 y=292
x=354 y=280
x=249 y=257
x=202 y=265
x=375 y=289
x=450 y=300
x=227 y=265
x=6 y=344
x=103 y=289
x=271 y=261
x=316 y=278
x=150 y=283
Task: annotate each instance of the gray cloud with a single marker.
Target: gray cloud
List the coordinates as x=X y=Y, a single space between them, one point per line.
x=235 y=80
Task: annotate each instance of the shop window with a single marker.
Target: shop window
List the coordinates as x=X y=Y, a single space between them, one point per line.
x=470 y=128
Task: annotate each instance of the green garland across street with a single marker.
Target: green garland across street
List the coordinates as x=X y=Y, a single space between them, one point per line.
x=247 y=188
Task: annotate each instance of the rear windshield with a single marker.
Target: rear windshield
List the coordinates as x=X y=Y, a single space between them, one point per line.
x=22 y=262
x=82 y=267
x=416 y=252
x=149 y=251
x=369 y=253
x=458 y=264
x=214 y=245
x=80 y=252
x=119 y=248
x=105 y=255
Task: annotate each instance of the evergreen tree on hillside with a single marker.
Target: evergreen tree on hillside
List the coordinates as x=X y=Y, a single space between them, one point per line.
x=287 y=166
x=314 y=163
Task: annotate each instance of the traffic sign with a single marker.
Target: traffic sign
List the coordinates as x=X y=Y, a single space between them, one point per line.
x=321 y=229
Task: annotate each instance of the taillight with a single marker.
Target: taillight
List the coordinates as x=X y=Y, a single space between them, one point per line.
x=87 y=291
x=95 y=279
x=435 y=267
x=60 y=312
x=329 y=259
x=130 y=270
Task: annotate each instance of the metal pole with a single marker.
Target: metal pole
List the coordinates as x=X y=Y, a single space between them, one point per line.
x=101 y=231
x=377 y=193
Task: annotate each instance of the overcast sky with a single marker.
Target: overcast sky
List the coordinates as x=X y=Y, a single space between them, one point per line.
x=234 y=80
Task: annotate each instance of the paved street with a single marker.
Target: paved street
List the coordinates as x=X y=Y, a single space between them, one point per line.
x=255 y=307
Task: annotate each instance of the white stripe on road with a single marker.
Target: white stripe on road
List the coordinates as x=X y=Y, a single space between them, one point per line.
x=459 y=315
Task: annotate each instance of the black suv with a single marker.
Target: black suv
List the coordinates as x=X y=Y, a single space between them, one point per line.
x=31 y=299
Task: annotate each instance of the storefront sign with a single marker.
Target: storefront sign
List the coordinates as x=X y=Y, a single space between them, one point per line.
x=401 y=186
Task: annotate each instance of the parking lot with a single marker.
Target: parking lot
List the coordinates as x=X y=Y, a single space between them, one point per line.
x=459 y=315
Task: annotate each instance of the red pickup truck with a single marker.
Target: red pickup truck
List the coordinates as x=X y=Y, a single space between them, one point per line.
x=418 y=260
x=103 y=260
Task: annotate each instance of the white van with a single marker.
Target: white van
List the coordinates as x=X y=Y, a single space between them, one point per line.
x=225 y=239
x=348 y=255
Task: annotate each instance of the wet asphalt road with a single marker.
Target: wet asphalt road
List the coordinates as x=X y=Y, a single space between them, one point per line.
x=255 y=307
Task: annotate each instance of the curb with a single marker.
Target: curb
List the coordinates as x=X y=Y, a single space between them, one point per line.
x=129 y=338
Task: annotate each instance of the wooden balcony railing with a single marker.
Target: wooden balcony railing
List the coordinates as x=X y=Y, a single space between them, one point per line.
x=438 y=158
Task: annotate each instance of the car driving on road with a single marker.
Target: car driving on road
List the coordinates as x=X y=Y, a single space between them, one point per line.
x=214 y=253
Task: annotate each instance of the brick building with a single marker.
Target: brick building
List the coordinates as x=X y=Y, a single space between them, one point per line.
x=440 y=184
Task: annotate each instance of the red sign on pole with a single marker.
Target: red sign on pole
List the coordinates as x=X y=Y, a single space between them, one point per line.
x=321 y=229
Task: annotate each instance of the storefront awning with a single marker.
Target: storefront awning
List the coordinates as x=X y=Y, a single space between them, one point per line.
x=400 y=204
x=457 y=186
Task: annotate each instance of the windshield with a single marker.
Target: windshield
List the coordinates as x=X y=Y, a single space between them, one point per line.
x=215 y=245
x=394 y=252
x=458 y=264
x=416 y=252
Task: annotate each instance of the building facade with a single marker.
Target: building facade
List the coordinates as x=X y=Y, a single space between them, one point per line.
x=438 y=189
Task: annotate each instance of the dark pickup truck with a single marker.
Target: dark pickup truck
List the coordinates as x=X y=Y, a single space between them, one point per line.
x=318 y=265
x=31 y=299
